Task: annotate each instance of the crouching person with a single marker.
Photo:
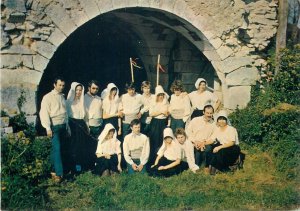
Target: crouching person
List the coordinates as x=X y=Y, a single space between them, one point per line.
x=187 y=151
x=226 y=151
x=108 y=152
x=136 y=149
x=167 y=162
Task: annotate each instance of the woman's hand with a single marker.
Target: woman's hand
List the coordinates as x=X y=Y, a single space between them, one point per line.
x=153 y=166
x=217 y=149
x=107 y=156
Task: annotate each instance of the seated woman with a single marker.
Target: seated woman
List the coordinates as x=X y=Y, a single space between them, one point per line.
x=167 y=162
x=225 y=149
x=108 y=151
x=187 y=149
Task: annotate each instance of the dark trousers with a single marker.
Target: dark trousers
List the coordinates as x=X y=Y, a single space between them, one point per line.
x=203 y=156
x=92 y=146
x=103 y=164
x=176 y=123
x=165 y=173
x=58 y=147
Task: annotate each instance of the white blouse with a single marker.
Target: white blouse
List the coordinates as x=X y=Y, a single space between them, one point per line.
x=110 y=107
x=228 y=135
x=75 y=109
x=180 y=107
x=111 y=147
x=200 y=100
x=171 y=151
x=159 y=107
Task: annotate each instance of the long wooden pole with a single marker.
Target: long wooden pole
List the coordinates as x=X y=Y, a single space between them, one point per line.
x=131 y=69
x=157 y=70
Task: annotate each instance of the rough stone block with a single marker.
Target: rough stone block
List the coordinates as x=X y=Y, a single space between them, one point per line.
x=6 y=130
x=243 y=76
x=59 y=16
x=232 y=63
x=16 y=17
x=40 y=62
x=90 y=7
x=19 y=76
x=216 y=43
x=211 y=55
x=15 y=5
x=27 y=61
x=167 y=5
x=117 y=4
x=224 y=52
x=10 y=94
x=238 y=96
x=57 y=37
x=44 y=48
x=8 y=61
x=105 y=5
x=18 y=49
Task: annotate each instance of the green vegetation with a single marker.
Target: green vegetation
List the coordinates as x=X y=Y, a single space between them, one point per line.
x=269 y=132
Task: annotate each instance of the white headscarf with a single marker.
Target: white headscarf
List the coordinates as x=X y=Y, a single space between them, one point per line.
x=160 y=90
x=71 y=97
x=105 y=93
x=105 y=131
x=199 y=80
x=169 y=133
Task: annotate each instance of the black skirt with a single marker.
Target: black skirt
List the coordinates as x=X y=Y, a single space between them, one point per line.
x=103 y=164
x=157 y=127
x=165 y=173
x=225 y=157
x=79 y=142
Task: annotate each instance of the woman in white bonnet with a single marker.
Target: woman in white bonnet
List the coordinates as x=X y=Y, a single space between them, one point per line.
x=111 y=101
x=108 y=151
x=226 y=150
x=201 y=97
x=159 y=113
x=78 y=125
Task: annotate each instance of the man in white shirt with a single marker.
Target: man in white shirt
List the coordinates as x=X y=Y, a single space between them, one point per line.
x=130 y=107
x=136 y=149
x=199 y=130
x=53 y=117
x=93 y=105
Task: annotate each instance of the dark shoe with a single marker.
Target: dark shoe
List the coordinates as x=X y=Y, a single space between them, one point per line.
x=212 y=170
x=106 y=173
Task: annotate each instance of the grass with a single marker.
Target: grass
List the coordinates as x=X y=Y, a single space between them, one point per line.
x=258 y=186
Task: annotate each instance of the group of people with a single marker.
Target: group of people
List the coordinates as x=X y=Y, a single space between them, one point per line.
x=138 y=132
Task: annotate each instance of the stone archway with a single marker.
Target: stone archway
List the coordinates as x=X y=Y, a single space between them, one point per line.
x=34 y=30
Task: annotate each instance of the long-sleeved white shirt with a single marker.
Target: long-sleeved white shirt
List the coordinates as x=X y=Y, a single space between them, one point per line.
x=93 y=105
x=171 y=151
x=130 y=106
x=111 y=147
x=228 y=135
x=180 y=107
x=146 y=101
x=199 y=129
x=159 y=107
x=136 y=147
x=53 y=110
x=187 y=154
x=75 y=110
x=199 y=100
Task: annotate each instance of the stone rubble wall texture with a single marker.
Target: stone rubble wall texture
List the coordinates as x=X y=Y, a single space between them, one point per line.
x=235 y=33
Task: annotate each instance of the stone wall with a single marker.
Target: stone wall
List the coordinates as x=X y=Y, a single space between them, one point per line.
x=231 y=34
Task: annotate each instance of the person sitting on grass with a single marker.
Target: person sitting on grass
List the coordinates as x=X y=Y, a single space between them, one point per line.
x=108 y=152
x=167 y=162
x=225 y=149
x=136 y=149
x=187 y=151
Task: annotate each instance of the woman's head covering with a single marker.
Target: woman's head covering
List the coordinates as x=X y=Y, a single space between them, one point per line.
x=105 y=93
x=71 y=95
x=160 y=90
x=168 y=133
x=199 y=80
x=105 y=131
x=222 y=113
